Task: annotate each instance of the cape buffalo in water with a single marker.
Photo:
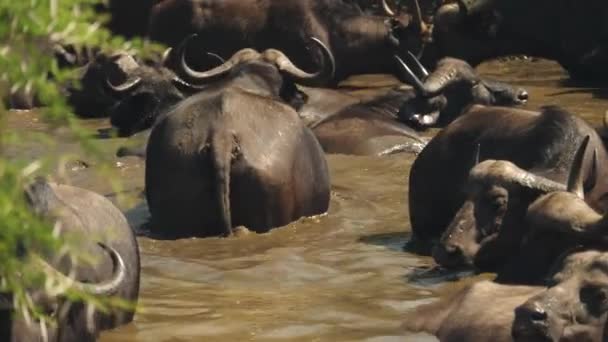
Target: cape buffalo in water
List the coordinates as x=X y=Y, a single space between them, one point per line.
x=361 y=43
x=369 y=128
x=571 y=308
x=489 y=227
x=533 y=152
x=103 y=234
x=557 y=221
x=573 y=34
x=458 y=84
x=103 y=81
x=380 y=125
x=236 y=153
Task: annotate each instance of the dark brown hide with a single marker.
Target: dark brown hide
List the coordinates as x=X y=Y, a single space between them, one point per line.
x=490 y=225
x=360 y=43
x=575 y=35
x=91 y=219
x=234 y=155
x=369 y=128
x=450 y=89
x=539 y=142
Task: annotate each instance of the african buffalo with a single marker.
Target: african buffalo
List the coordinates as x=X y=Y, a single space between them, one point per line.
x=480 y=312
x=24 y=96
x=236 y=154
x=573 y=34
x=533 y=152
x=571 y=308
x=361 y=43
x=129 y=18
x=459 y=84
x=380 y=125
x=489 y=227
x=369 y=128
x=104 y=235
x=102 y=82
x=557 y=221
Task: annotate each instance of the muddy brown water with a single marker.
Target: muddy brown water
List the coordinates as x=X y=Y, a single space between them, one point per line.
x=343 y=276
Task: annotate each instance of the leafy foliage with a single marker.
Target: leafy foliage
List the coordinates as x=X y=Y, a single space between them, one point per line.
x=28 y=30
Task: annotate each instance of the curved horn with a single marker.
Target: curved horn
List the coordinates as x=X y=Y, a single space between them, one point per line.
x=217 y=72
x=125 y=86
x=166 y=57
x=422 y=72
x=321 y=77
x=410 y=78
x=477 y=153
x=104 y=288
x=505 y=172
x=387 y=9
x=216 y=56
x=575 y=178
x=418 y=17
x=448 y=71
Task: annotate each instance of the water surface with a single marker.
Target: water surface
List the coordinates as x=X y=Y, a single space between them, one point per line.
x=343 y=276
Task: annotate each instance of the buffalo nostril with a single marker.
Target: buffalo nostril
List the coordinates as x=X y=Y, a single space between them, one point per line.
x=538 y=314
x=523 y=96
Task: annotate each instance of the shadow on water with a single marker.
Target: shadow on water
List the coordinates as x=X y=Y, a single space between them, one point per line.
x=436 y=275
x=394 y=241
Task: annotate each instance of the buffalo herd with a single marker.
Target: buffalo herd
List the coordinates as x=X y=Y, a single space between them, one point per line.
x=244 y=105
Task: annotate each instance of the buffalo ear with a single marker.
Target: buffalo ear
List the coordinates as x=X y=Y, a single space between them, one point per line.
x=575 y=178
x=293 y=96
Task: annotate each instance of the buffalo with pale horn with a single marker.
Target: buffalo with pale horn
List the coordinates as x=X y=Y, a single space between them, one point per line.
x=458 y=84
x=104 y=237
x=558 y=221
x=489 y=227
x=237 y=153
x=533 y=152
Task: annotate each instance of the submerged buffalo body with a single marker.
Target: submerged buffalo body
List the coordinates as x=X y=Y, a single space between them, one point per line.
x=361 y=43
x=236 y=153
x=572 y=34
x=369 y=128
x=525 y=140
x=572 y=308
x=382 y=124
x=105 y=236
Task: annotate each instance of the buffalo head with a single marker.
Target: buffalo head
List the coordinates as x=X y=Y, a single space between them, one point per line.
x=498 y=195
x=66 y=320
x=573 y=308
x=149 y=92
x=458 y=82
x=143 y=93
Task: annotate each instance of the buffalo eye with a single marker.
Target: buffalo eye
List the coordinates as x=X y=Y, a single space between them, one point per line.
x=595 y=299
x=497 y=203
